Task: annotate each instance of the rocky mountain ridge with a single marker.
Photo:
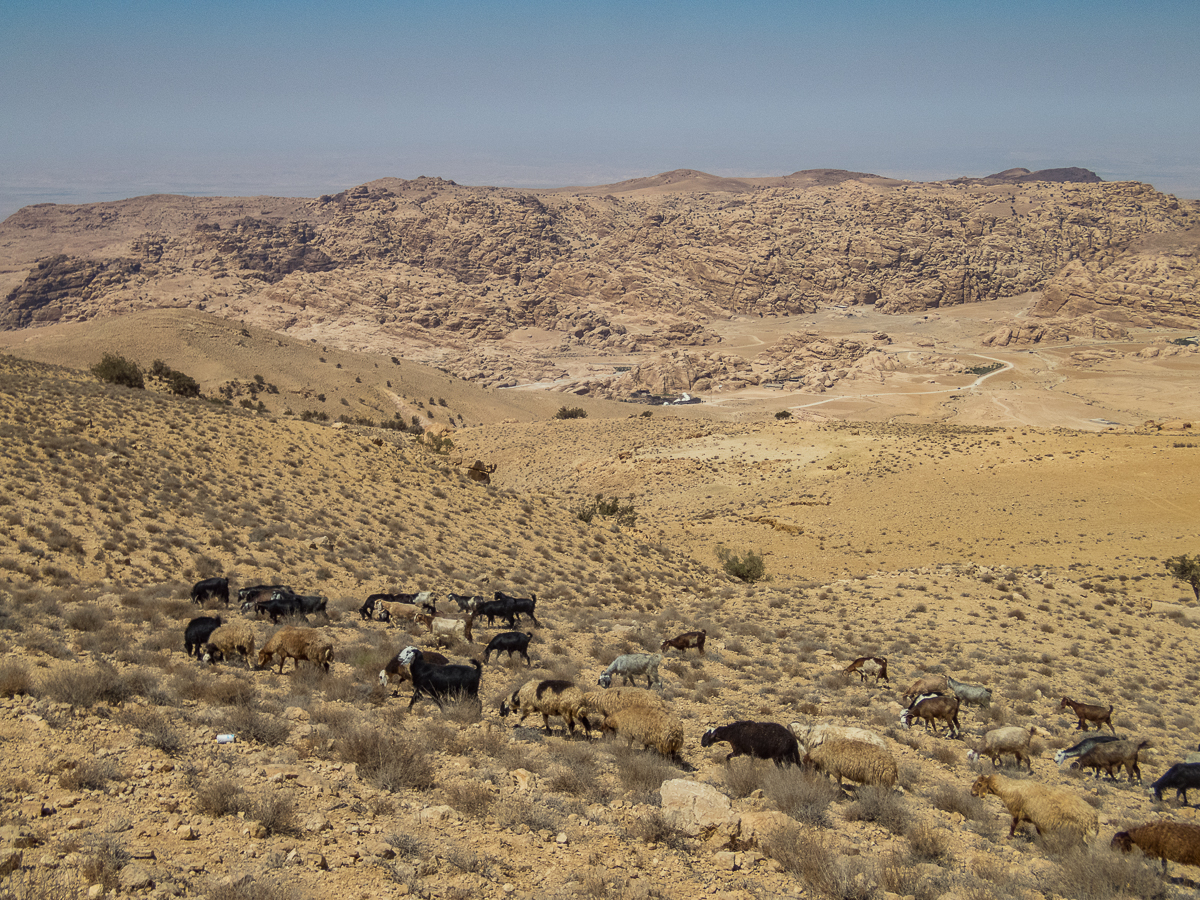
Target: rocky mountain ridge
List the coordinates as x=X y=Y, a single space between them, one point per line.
x=448 y=274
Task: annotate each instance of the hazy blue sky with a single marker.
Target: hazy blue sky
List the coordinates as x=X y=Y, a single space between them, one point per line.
x=103 y=100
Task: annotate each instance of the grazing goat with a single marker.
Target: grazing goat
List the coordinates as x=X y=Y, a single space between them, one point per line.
x=1009 y=739
x=296 y=644
x=682 y=642
x=970 y=693
x=211 y=587
x=1089 y=713
x=1181 y=777
x=236 y=637
x=402 y=674
x=550 y=698
x=1178 y=842
x=1047 y=809
x=466 y=602
x=249 y=596
x=195 y=636
x=654 y=729
x=509 y=642
x=1083 y=747
x=933 y=709
x=759 y=740
x=518 y=606
x=865 y=666
x=861 y=763
x=440 y=683
x=448 y=630
x=631 y=666
x=1113 y=755
x=926 y=684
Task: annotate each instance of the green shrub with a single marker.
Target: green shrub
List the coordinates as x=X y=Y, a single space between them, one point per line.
x=783 y=414
x=571 y=412
x=749 y=568
x=116 y=369
x=182 y=385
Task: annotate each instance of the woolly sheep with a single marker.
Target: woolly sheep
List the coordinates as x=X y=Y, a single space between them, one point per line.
x=760 y=740
x=632 y=665
x=227 y=639
x=607 y=702
x=1009 y=739
x=860 y=762
x=1178 y=842
x=297 y=644
x=550 y=698
x=654 y=729
x=449 y=630
x=811 y=736
x=1048 y=809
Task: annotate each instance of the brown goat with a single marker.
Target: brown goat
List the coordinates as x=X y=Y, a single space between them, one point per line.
x=868 y=665
x=682 y=642
x=1113 y=755
x=1089 y=713
x=934 y=710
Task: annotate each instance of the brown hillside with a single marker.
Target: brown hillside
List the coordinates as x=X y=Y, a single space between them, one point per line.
x=115 y=501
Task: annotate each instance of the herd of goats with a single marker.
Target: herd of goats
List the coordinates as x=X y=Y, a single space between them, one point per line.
x=644 y=717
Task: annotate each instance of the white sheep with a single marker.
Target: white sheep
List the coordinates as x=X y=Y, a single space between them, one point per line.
x=1009 y=739
x=861 y=763
x=1048 y=809
x=550 y=698
x=811 y=736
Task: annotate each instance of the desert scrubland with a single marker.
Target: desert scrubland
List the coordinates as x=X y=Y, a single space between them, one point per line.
x=927 y=482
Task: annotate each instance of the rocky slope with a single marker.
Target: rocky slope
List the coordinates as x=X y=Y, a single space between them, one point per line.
x=457 y=274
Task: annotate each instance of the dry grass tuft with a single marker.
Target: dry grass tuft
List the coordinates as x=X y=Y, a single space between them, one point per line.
x=388 y=762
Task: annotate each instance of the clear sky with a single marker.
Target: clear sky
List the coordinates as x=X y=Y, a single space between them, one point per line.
x=103 y=100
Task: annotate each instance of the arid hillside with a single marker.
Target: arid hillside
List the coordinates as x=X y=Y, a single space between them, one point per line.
x=503 y=286
x=115 y=501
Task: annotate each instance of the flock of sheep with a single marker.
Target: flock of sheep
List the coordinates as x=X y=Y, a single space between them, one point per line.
x=642 y=716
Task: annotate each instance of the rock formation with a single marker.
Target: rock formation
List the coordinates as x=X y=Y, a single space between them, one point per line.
x=448 y=274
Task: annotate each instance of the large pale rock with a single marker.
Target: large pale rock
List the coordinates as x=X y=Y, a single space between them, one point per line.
x=136 y=877
x=696 y=808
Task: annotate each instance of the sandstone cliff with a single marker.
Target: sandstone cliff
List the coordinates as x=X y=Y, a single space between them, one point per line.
x=443 y=272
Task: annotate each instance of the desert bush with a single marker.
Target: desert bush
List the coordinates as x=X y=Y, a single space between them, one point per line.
x=535 y=816
x=116 y=369
x=39 y=884
x=653 y=828
x=571 y=412
x=803 y=795
x=817 y=861
x=1101 y=873
x=749 y=568
x=742 y=774
x=612 y=508
x=274 y=810
x=84 y=686
x=89 y=774
x=949 y=798
x=218 y=797
x=468 y=797
x=154 y=729
x=250 y=724
x=271 y=889
x=102 y=861
x=783 y=414
x=386 y=761
x=14 y=678
x=928 y=842
x=640 y=771
x=881 y=805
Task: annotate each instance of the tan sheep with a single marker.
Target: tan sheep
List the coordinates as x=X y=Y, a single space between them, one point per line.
x=236 y=637
x=860 y=762
x=297 y=644
x=605 y=703
x=1009 y=739
x=1178 y=842
x=655 y=729
x=1048 y=809
x=448 y=630
x=550 y=698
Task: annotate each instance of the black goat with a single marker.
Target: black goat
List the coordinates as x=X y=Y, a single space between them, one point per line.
x=211 y=587
x=440 y=683
x=1181 y=777
x=509 y=642
x=760 y=740
x=518 y=606
x=196 y=635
